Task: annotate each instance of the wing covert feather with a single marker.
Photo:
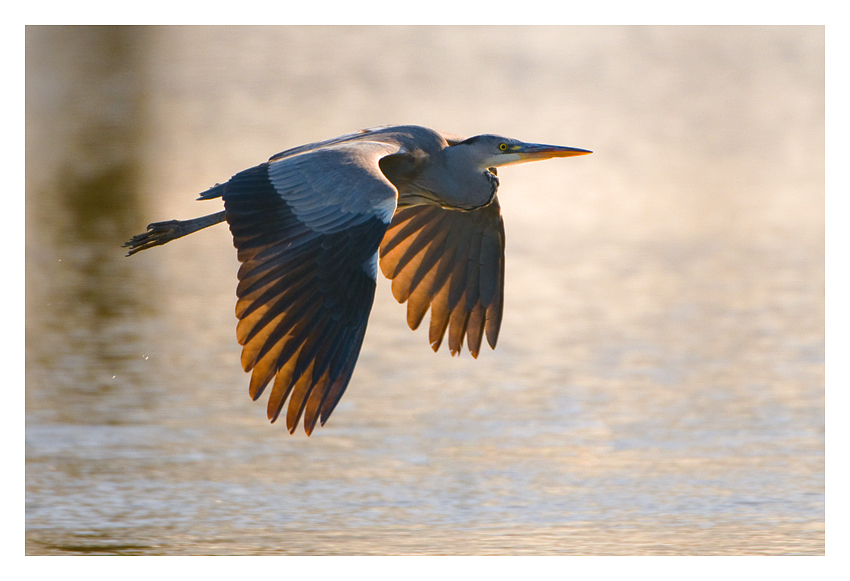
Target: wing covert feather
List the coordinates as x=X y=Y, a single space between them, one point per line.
x=307 y=229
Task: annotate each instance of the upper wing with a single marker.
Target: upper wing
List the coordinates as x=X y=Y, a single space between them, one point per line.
x=307 y=229
x=454 y=262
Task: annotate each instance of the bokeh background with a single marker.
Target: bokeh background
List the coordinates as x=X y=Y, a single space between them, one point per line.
x=658 y=387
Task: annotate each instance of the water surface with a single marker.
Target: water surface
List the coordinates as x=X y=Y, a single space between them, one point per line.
x=658 y=387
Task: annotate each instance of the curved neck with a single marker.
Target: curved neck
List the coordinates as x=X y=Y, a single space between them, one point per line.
x=453 y=179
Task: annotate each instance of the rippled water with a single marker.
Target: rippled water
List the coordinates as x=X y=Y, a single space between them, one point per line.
x=658 y=387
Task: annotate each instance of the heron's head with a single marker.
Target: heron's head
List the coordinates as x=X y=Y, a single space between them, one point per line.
x=496 y=151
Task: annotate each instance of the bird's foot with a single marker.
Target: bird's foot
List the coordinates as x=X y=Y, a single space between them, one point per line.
x=156 y=234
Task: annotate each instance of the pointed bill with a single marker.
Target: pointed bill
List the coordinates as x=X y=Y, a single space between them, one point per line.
x=525 y=152
x=536 y=151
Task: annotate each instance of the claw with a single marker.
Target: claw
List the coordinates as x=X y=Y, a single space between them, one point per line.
x=162 y=232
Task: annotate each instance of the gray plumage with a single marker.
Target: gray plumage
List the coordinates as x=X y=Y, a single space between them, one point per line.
x=309 y=227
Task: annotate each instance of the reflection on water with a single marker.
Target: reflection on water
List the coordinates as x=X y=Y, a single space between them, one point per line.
x=658 y=386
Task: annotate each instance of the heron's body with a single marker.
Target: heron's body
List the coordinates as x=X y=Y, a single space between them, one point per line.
x=309 y=226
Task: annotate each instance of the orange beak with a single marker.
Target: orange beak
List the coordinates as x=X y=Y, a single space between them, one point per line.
x=525 y=152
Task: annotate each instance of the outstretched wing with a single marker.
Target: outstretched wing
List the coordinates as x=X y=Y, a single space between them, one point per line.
x=452 y=261
x=307 y=229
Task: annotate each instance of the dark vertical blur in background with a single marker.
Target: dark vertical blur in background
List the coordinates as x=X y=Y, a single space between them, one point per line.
x=658 y=387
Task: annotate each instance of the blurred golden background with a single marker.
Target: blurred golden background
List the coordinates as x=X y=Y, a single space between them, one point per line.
x=658 y=387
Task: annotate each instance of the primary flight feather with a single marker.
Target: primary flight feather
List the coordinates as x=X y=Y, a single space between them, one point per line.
x=310 y=227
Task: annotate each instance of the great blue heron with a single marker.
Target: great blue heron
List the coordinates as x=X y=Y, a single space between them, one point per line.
x=309 y=226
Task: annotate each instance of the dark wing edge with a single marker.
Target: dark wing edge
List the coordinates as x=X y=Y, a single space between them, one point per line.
x=453 y=262
x=303 y=298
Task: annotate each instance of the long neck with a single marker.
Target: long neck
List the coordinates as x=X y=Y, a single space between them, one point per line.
x=452 y=178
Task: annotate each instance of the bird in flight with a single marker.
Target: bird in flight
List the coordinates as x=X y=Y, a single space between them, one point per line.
x=312 y=224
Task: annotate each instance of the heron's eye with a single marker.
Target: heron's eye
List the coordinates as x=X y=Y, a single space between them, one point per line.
x=503 y=147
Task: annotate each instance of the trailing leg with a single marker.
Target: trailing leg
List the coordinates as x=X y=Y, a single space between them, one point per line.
x=162 y=232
